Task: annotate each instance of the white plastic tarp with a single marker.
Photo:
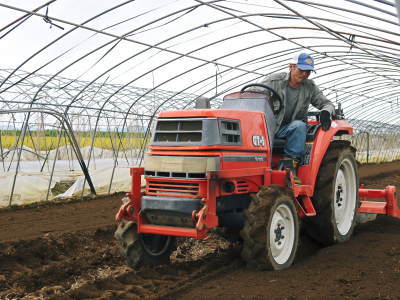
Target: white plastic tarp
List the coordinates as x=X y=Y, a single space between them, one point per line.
x=101 y=180
x=28 y=189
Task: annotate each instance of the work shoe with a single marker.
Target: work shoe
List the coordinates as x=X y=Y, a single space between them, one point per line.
x=292 y=164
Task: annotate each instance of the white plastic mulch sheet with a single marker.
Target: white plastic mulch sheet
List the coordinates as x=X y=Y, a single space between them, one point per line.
x=31 y=188
x=28 y=189
x=121 y=182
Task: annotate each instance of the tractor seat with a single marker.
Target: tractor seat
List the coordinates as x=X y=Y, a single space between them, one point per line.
x=279 y=144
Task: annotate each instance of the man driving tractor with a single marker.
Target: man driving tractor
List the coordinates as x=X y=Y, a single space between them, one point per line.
x=209 y=168
x=297 y=92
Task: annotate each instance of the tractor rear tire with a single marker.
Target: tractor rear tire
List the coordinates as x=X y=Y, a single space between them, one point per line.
x=335 y=198
x=143 y=249
x=271 y=231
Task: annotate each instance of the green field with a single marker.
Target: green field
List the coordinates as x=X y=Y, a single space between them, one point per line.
x=43 y=142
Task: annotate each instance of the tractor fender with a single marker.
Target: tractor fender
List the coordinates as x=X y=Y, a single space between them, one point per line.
x=322 y=142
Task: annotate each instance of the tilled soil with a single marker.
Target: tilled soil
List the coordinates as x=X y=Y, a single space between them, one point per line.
x=67 y=251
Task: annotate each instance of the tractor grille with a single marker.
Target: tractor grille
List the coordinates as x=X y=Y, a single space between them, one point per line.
x=189 y=175
x=173 y=188
x=170 y=131
x=196 y=131
x=242 y=187
x=230 y=132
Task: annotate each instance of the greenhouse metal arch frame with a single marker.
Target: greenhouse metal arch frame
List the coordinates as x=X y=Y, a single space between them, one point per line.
x=113 y=68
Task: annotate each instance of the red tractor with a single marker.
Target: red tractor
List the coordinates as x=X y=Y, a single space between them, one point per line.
x=210 y=168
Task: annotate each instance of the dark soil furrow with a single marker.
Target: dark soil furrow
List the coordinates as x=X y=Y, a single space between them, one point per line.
x=67 y=251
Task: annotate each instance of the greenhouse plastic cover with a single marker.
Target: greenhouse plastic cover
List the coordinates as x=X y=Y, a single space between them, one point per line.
x=32 y=184
x=33 y=188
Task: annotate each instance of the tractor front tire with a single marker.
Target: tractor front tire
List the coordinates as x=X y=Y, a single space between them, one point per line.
x=271 y=231
x=143 y=249
x=335 y=198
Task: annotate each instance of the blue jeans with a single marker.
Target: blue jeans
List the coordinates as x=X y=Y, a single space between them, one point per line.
x=295 y=134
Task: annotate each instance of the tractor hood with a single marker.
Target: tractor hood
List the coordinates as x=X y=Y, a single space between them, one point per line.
x=235 y=129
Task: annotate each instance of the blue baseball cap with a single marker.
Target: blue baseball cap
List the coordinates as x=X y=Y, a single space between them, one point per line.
x=303 y=61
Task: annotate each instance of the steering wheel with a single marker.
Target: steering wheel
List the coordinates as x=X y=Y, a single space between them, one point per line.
x=275 y=100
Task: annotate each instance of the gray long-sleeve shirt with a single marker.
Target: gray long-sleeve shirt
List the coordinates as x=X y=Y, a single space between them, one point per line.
x=309 y=93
